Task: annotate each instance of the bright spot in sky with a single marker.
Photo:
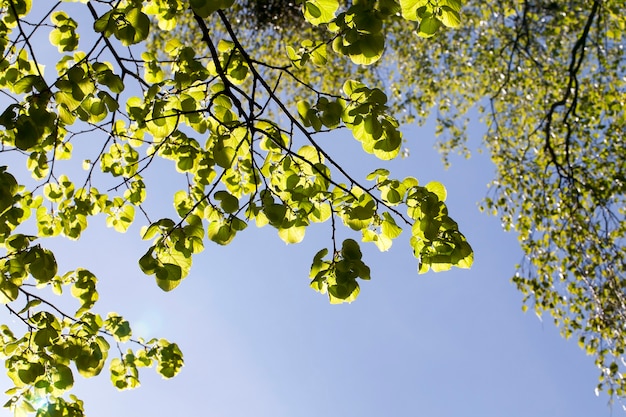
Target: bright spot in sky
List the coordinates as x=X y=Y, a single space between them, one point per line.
x=39 y=402
x=148 y=325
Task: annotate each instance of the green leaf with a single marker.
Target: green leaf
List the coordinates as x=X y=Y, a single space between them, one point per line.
x=222 y=232
x=440 y=263
x=62 y=378
x=367 y=50
x=30 y=371
x=8 y=291
x=168 y=276
x=320 y=11
x=389 y=227
x=41 y=264
x=463 y=255
x=160 y=226
x=450 y=17
x=318 y=262
x=204 y=8
x=170 y=359
x=224 y=156
x=148 y=263
x=320 y=213
x=84 y=289
x=410 y=7
x=438 y=189
x=429 y=26
x=393 y=196
x=136 y=29
x=350 y=250
x=64 y=35
x=343 y=293
x=119 y=327
x=92 y=357
x=124 y=374
x=228 y=202
x=27 y=83
x=120 y=217
x=293 y=234
x=275 y=213
x=378 y=173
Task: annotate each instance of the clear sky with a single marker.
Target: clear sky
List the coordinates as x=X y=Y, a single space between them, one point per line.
x=259 y=343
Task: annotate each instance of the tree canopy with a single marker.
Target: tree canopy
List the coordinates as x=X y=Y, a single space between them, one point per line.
x=237 y=94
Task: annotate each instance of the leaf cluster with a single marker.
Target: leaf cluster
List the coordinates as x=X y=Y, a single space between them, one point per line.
x=222 y=117
x=547 y=80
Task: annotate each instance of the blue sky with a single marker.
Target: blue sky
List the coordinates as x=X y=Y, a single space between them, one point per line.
x=259 y=343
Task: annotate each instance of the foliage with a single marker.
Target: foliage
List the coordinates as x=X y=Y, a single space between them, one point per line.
x=548 y=79
x=221 y=115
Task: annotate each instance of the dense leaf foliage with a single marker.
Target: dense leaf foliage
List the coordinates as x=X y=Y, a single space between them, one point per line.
x=221 y=114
